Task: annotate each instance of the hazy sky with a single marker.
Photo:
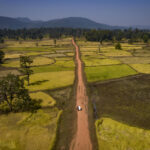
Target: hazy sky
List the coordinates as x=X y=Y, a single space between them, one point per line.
x=113 y=12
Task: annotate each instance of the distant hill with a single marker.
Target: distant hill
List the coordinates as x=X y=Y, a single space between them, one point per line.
x=24 y=20
x=77 y=22
x=10 y=23
x=71 y=22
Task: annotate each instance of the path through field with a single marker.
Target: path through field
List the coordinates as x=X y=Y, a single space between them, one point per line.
x=82 y=139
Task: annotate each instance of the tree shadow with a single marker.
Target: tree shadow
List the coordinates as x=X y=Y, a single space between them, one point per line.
x=38 y=82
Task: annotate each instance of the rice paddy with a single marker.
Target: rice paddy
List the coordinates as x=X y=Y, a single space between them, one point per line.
x=52 y=69
x=113 y=135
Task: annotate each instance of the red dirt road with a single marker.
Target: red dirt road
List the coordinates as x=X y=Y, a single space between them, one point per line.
x=82 y=139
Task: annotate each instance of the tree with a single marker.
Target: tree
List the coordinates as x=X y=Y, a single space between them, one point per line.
x=145 y=38
x=55 y=41
x=2 y=55
x=1 y=40
x=25 y=67
x=118 y=46
x=40 y=37
x=14 y=96
x=99 y=48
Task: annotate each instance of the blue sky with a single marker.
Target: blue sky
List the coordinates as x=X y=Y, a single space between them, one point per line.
x=113 y=12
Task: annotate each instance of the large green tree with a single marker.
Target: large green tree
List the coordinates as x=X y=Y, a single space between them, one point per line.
x=13 y=95
x=25 y=67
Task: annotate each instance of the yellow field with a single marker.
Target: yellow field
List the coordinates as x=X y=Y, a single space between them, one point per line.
x=142 y=68
x=70 y=54
x=27 y=131
x=17 y=55
x=51 y=80
x=47 y=100
x=37 y=61
x=116 y=53
x=98 y=62
x=38 y=130
x=113 y=135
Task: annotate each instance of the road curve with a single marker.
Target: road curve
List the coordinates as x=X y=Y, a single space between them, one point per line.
x=81 y=140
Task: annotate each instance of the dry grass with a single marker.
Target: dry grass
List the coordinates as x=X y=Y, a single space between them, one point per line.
x=113 y=135
x=70 y=54
x=135 y=60
x=142 y=68
x=37 y=61
x=98 y=62
x=26 y=131
x=51 y=80
x=116 y=53
x=47 y=100
x=6 y=72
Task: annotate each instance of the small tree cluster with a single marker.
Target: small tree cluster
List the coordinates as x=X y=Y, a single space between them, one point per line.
x=145 y=38
x=2 y=55
x=25 y=67
x=1 y=40
x=55 y=41
x=118 y=46
x=14 y=97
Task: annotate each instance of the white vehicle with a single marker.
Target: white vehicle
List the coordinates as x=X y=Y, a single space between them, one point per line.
x=79 y=108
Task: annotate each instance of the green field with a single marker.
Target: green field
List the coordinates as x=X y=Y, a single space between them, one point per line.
x=108 y=72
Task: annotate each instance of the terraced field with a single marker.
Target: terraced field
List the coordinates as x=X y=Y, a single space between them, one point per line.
x=118 y=82
x=118 y=86
x=101 y=64
x=53 y=67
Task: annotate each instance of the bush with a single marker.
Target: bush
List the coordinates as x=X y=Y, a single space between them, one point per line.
x=118 y=46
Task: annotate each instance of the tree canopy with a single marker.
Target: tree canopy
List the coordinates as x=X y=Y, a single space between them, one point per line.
x=14 y=96
x=25 y=67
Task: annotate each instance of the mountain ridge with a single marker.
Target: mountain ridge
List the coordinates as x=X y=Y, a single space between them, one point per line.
x=70 y=22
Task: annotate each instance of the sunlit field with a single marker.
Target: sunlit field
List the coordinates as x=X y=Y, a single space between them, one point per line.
x=103 y=62
x=119 y=91
x=47 y=100
x=53 y=68
x=51 y=80
x=108 y=72
x=113 y=135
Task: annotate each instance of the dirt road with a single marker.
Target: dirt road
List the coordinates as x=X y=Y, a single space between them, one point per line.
x=82 y=139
